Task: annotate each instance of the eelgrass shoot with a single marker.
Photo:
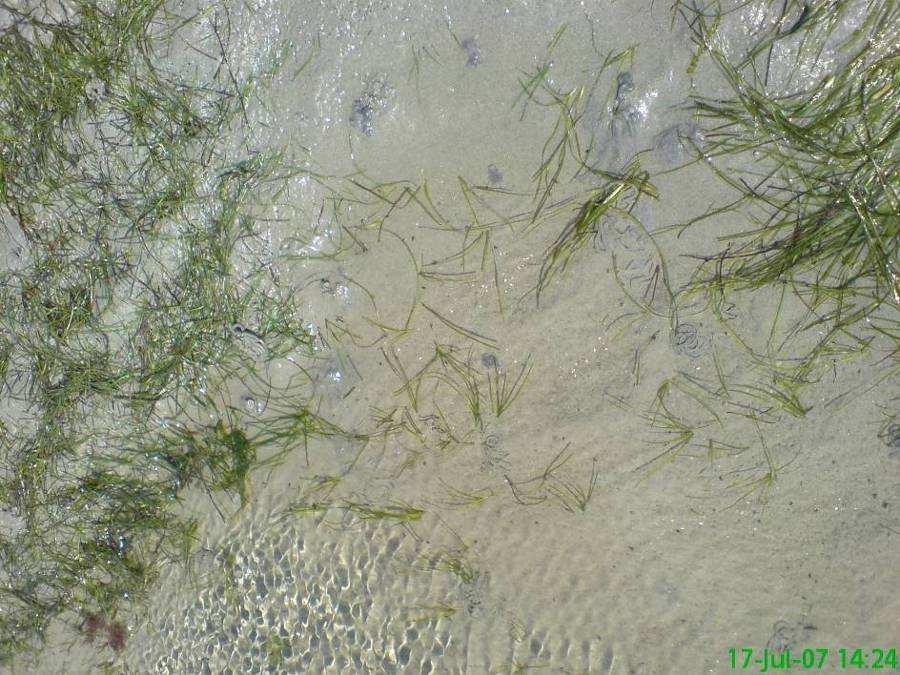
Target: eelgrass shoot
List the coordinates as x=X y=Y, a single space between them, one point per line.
x=820 y=194
x=617 y=195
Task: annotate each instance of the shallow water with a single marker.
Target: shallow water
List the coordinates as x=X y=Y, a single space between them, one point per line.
x=548 y=537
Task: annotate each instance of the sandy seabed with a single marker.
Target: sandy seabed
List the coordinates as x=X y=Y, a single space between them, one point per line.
x=546 y=538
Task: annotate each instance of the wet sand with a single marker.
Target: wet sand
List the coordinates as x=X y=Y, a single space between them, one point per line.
x=546 y=536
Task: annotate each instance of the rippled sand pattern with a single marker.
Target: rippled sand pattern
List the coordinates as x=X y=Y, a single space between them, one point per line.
x=291 y=597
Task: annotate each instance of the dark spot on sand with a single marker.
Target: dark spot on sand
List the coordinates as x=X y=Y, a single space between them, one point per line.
x=369 y=105
x=890 y=436
x=488 y=360
x=362 y=117
x=473 y=53
x=687 y=340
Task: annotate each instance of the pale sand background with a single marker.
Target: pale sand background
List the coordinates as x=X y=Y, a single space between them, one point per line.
x=663 y=571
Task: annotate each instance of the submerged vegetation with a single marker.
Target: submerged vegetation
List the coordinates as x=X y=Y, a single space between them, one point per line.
x=131 y=300
x=122 y=308
x=819 y=194
x=803 y=129
x=813 y=229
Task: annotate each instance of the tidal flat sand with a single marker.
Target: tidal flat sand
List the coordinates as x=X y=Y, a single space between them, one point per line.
x=569 y=466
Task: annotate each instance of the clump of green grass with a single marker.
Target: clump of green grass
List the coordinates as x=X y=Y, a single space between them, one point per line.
x=453 y=560
x=395 y=511
x=681 y=409
x=564 y=143
x=398 y=512
x=814 y=222
x=118 y=176
x=457 y=498
x=294 y=422
x=820 y=193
